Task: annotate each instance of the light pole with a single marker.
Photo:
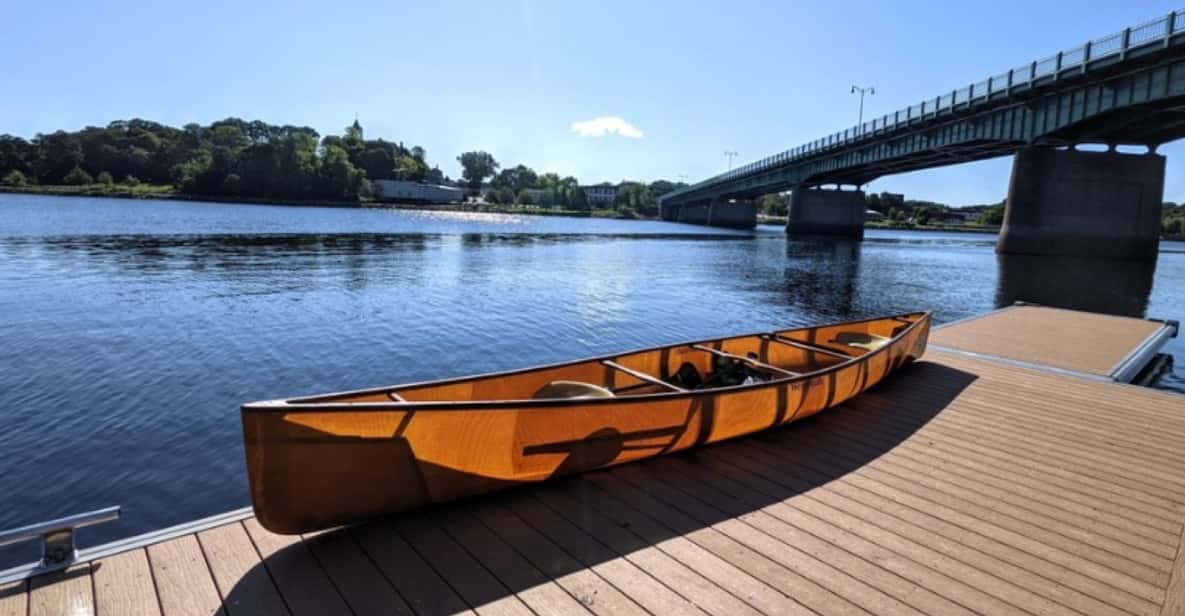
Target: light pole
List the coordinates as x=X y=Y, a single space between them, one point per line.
x=729 y=154
x=871 y=91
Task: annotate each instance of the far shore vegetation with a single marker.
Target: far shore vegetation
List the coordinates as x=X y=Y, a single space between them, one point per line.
x=252 y=161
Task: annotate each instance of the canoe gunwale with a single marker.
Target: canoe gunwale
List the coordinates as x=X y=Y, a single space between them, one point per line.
x=310 y=403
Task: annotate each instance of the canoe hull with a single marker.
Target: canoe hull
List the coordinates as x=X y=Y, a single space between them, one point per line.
x=349 y=457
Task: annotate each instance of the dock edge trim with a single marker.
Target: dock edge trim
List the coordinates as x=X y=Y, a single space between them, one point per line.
x=30 y=570
x=1130 y=366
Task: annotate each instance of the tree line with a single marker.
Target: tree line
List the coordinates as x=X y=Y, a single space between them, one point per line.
x=235 y=158
x=227 y=158
x=522 y=185
x=896 y=208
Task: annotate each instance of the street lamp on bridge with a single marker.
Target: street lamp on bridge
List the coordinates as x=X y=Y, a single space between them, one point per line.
x=871 y=91
x=730 y=154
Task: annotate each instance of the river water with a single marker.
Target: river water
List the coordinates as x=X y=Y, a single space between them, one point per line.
x=130 y=331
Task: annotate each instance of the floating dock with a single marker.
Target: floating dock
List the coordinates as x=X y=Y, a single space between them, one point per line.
x=1005 y=473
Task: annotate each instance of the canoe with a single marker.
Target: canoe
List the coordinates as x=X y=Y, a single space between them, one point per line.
x=320 y=461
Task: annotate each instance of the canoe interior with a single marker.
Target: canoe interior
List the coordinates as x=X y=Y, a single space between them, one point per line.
x=322 y=461
x=660 y=362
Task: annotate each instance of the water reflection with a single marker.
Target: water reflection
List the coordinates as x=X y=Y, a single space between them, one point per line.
x=1095 y=285
x=822 y=274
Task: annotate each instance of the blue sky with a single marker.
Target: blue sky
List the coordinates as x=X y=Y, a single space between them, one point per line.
x=689 y=79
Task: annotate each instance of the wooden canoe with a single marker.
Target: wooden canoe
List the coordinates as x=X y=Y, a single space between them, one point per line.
x=321 y=461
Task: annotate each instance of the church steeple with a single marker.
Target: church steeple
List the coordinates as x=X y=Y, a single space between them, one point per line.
x=356 y=127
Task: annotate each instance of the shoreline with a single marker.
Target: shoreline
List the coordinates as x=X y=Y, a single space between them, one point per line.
x=168 y=193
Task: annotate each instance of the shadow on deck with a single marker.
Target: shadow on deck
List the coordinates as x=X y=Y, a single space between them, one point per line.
x=676 y=534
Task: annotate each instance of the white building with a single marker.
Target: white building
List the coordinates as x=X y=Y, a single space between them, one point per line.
x=415 y=192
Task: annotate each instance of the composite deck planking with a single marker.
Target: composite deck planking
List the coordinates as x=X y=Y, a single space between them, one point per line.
x=963 y=485
x=1083 y=342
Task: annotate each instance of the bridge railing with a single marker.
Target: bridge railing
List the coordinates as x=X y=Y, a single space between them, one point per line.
x=1027 y=75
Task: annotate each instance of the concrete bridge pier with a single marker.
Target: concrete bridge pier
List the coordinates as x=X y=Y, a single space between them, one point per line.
x=734 y=213
x=815 y=211
x=1083 y=204
x=693 y=213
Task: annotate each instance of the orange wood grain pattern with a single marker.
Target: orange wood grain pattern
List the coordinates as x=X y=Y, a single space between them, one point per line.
x=342 y=458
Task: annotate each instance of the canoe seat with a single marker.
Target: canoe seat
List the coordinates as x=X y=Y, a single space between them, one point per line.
x=572 y=390
x=868 y=342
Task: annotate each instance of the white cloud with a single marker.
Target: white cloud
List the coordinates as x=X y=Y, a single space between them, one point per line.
x=606 y=125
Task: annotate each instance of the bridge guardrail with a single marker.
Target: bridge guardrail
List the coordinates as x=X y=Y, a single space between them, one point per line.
x=1079 y=58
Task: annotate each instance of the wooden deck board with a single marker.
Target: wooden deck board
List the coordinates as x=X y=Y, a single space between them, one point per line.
x=411 y=575
x=1078 y=341
x=239 y=574
x=362 y=585
x=302 y=583
x=184 y=584
x=69 y=591
x=589 y=588
x=539 y=592
x=962 y=485
x=741 y=584
x=649 y=591
x=14 y=598
x=677 y=575
x=811 y=595
x=997 y=568
x=124 y=586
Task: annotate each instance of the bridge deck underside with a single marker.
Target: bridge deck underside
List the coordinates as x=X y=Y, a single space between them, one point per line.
x=1144 y=105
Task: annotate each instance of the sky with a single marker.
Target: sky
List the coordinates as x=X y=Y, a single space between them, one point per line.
x=603 y=90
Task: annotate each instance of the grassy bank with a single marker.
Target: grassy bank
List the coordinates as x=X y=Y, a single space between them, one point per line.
x=526 y=210
x=169 y=192
x=122 y=191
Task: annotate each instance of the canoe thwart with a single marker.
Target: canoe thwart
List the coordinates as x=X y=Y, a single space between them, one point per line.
x=809 y=347
x=642 y=376
x=747 y=360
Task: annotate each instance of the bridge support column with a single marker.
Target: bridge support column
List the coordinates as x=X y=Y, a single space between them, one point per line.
x=694 y=213
x=814 y=211
x=735 y=214
x=1089 y=204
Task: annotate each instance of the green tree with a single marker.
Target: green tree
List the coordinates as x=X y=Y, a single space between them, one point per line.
x=922 y=216
x=636 y=197
x=774 y=205
x=524 y=198
x=476 y=167
x=378 y=163
x=104 y=178
x=340 y=179
x=992 y=216
x=410 y=168
x=579 y=200
x=77 y=177
x=14 y=178
x=516 y=178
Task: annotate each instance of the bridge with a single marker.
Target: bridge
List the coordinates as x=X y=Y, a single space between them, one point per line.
x=1124 y=89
